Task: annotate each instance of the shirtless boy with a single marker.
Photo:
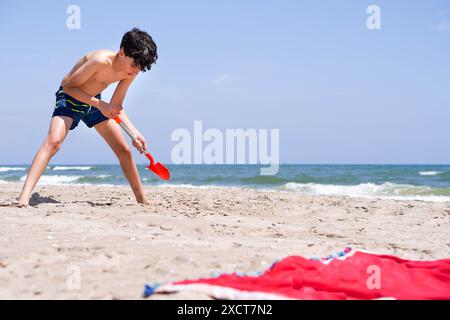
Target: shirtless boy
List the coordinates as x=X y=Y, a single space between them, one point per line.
x=78 y=98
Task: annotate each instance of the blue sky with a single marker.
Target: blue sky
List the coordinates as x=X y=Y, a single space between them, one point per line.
x=338 y=92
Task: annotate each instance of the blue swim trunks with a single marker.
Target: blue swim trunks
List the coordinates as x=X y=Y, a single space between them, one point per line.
x=77 y=110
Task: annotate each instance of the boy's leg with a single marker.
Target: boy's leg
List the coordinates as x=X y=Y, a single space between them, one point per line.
x=110 y=131
x=59 y=126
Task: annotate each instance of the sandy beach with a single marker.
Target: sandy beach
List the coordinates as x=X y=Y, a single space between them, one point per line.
x=117 y=245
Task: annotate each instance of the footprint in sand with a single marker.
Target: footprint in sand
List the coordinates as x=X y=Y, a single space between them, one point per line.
x=14 y=205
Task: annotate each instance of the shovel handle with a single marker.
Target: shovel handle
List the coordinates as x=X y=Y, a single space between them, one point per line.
x=125 y=128
x=133 y=137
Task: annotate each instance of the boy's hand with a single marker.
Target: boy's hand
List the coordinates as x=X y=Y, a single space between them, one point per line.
x=139 y=143
x=109 y=110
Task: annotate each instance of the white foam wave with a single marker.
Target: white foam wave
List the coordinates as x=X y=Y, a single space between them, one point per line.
x=192 y=186
x=103 y=176
x=429 y=173
x=386 y=190
x=62 y=168
x=7 y=169
x=55 y=180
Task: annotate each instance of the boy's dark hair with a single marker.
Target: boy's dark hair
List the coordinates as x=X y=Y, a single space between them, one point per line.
x=139 y=45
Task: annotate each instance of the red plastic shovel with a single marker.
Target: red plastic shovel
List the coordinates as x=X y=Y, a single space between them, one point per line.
x=158 y=168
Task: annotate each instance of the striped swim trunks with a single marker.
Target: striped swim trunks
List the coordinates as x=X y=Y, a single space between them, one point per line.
x=77 y=110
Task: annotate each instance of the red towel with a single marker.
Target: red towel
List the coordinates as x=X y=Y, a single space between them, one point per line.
x=355 y=275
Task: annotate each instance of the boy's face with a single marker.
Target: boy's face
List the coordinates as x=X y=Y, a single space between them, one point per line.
x=128 y=65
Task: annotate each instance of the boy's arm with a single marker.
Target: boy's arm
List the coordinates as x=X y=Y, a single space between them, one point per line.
x=117 y=101
x=80 y=76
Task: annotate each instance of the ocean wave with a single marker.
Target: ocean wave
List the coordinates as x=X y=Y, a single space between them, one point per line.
x=429 y=173
x=149 y=179
x=55 y=180
x=62 y=168
x=95 y=179
x=192 y=186
x=67 y=180
x=385 y=190
x=263 y=180
x=103 y=176
x=7 y=169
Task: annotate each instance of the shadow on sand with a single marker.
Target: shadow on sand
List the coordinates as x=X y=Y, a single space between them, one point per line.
x=36 y=199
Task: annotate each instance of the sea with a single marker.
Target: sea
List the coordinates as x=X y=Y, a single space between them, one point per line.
x=403 y=182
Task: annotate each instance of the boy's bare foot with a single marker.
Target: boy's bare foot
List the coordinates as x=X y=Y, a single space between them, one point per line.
x=22 y=201
x=18 y=204
x=143 y=201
